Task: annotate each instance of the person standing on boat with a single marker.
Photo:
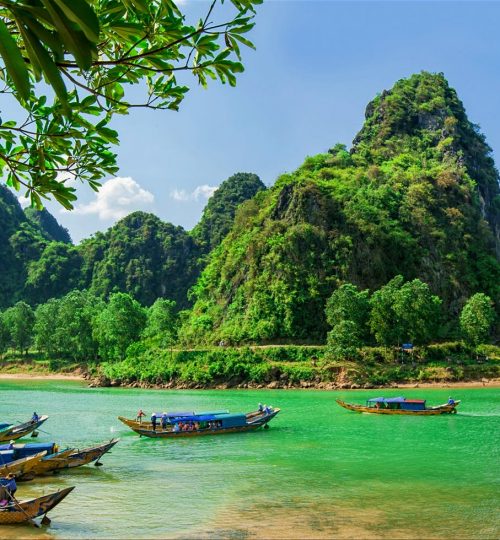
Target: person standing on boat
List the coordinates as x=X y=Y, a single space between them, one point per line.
x=35 y=418
x=140 y=415
x=153 y=421
x=451 y=401
x=164 y=421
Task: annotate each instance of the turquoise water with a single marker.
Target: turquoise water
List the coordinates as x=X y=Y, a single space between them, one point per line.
x=320 y=471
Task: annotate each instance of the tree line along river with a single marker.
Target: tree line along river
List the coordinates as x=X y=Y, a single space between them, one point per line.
x=319 y=471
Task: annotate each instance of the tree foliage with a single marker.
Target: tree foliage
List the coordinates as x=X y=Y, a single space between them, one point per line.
x=477 y=318
x=91 y=53
x=20 y=320
x=118 y=325
x=162 y=322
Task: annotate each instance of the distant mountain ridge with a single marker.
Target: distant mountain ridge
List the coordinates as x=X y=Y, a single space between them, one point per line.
x=140 y=254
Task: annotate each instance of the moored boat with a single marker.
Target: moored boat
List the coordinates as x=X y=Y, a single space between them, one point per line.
x=55 y=459
x=207 y=424
x=20 y=467
x=400 y=405
x=23 y=511
x=13 y=432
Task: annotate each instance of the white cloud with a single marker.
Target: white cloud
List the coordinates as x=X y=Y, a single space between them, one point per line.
x=200 y=192
x=23 y=201
x=117 y=198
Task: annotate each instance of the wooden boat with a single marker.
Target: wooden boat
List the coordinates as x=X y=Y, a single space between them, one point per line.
x=401 y=406
x=71 y=458
x=20 y=467
x=14 y=432
x=23 y=511
x=197 y=425
x=171 y=417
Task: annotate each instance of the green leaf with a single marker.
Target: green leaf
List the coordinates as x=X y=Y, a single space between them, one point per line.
x=82 y=14
x=50 y=70
x=14 y=62
x=74 y=40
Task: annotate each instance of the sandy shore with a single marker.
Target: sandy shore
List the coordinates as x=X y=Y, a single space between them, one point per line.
x=490 y=383
x=40 y=376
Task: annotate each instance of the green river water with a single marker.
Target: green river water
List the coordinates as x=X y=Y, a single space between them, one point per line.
x=318 y=472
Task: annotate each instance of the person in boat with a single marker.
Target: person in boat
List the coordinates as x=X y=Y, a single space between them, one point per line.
x=35 y=418
x=11 y=444
x=451 y=401
x=176 y=427
x=153 y=421
x=9 y=484
x=164 y=421
x=261 y=407
x=140 y=414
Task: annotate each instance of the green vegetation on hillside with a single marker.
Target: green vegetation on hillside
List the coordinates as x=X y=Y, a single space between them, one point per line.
x=416 y=196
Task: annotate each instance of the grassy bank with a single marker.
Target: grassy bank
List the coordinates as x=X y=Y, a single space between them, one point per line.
x=287 y=366
x=298 y=366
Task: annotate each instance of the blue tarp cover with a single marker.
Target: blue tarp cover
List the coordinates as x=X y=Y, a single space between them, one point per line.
x=399 y=399
x=176 y=414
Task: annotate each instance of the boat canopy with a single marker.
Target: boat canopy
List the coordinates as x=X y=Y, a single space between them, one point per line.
x=184 y=414
x=399 y=399
x=28 y=449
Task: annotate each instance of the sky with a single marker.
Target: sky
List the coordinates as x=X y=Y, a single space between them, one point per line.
x=305 y=88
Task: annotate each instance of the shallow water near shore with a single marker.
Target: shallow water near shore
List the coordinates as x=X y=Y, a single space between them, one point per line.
x=318 y=472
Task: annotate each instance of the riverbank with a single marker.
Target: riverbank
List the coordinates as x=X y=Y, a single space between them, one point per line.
x=274 y=367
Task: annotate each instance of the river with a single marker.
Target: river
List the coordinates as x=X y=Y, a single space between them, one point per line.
x=318 y=472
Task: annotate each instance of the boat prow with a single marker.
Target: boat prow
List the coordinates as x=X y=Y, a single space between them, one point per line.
x=23 y=511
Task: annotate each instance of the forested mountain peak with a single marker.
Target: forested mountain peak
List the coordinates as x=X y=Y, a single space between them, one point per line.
x=48 y=225
x=218 y=215
x=423 y=114
x=416 y=196
x=22 y=241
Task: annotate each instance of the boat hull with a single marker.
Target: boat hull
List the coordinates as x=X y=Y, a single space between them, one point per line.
x=432 y=411
x=16 y=432
x=22 y=466
x=27 y=510
x=69 y=459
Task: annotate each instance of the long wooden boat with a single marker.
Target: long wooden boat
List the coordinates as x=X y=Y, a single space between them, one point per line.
x=198 y=425
x=23 y=511
x=71 y=458
x=20 y=467
x=14 y=432
x=401 y=406
x=170 y=417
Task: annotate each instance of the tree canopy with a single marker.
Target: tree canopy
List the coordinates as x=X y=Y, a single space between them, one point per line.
x=90 y=52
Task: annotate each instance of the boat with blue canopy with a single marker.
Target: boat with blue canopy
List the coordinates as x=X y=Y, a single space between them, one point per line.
x=206 y=423
x=168 y=416
x=402 y=406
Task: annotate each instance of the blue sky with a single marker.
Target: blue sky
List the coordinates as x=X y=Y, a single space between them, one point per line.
x=317 y=65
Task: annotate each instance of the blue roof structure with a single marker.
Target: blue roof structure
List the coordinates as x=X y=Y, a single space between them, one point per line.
x=399 y=399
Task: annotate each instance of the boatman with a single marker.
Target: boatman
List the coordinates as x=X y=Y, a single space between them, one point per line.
x=140 y=414
x=153 y=421
x=451 y=401
x=164 y=421
x=35 y=418
x=9 y=483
